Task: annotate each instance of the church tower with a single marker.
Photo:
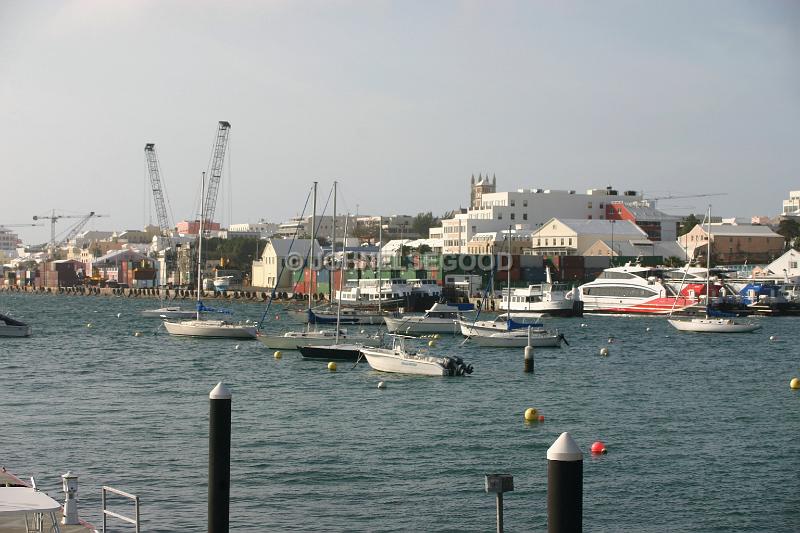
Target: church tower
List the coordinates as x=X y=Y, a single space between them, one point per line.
x=479 y=188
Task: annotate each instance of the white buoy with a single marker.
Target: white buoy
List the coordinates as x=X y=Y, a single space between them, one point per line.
x=647 y=329
x=583 y=325
x=236 y=347
x=381 y=385
x=137 y=333
x=119 y=315
x=773 y=338
x=610 y=340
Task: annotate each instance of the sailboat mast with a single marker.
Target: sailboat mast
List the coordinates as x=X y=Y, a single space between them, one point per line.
x=380 y=260
x=339 y=300
x=708 y=261
x=508 y=295
x=311 y=253
x=333 y=243
x=200 y=243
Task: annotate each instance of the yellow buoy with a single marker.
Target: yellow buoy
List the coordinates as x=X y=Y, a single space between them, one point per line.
x=137 y=333
x=795 y=383
x=604 y=352
x=436 y=336
x=278 y=354
x=332 y=366
x=530 y=414
x=431 y=343
x=89 y=325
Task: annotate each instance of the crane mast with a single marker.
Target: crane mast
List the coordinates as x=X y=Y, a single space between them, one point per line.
x=215 y=172
x=154 y=171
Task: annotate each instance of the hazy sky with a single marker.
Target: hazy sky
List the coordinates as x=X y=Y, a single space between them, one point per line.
x=401 y=101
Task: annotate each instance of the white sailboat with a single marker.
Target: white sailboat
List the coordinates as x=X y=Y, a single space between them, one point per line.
x=293 y=340
x=199 y=327
x=711 y=324
x=504 y=332
x=398 y=360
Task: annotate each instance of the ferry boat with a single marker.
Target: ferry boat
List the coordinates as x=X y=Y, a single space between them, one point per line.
x=635 y=289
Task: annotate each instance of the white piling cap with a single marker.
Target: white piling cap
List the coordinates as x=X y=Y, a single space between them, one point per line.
x=564 y=449
x=220 y=392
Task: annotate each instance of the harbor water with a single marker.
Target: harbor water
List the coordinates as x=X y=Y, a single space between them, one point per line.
x=701 y=430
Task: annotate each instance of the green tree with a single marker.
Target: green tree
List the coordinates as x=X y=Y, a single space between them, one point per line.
x=423 y=222
x=688 y=223
x=790 y=230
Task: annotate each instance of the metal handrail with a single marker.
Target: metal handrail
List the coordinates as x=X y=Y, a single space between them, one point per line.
x=106 y=512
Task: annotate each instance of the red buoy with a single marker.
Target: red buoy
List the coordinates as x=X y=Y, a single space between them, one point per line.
x=598 y=447
x=541 y=418
x=277 y=317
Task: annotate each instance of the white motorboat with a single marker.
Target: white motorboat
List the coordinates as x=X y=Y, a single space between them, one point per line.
x=711 y=323
x=440 y=318
x=169 y=312
x=541 y=299
x=222 y=283
x=292 y=340
x=348 y=316
x=400 y=361
x=210 y=328
x=199 y=327
x=10 y=327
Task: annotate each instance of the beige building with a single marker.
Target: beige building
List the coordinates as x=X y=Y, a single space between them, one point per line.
x=280 y=259
x=492 y=242
x=734 y=244
x=576 y=236
x=636 y=248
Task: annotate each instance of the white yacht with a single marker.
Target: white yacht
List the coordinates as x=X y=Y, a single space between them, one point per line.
x=504 y=331
x=440 y=318
x=210 y=328
x=169 y=312
x=222 y=283
x=384 y=293
x=541 y=299
x=401 y=361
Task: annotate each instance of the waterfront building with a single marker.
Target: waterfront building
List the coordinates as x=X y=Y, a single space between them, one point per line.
x=527 y=208
x=636 y=248
x=575 y=236
x=734 y=244
x=261 y=230
x=658 y=225
x=492 y=242
x=271 y=269
x=786 y=267
x=192 y=227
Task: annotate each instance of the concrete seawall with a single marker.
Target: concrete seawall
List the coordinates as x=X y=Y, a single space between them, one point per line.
x=243 y=295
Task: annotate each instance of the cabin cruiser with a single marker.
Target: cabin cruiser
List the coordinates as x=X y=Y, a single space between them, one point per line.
x=636 y=289
x=542 y=299
x=385 y=293
x=400 y=360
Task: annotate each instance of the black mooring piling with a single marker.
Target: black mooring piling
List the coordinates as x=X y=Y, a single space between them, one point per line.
x=219 y=459
x=564 y=486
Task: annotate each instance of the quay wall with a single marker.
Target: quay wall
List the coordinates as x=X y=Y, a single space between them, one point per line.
x=243 y=295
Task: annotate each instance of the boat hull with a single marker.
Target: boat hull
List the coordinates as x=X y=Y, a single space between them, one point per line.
x=384 y=360
x=15 y=331
x=500 y=340
x=334 y=352
x=417 y=326
x=282 y=342
x=711 y=325
x=209 y=328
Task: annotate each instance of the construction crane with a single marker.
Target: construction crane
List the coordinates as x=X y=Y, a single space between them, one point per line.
x=18 y=225
x=73 y=231
x=681 y=196
x=154 y=171
x=215 y=171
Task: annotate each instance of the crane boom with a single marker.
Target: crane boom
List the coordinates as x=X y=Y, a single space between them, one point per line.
x=217 y=159
x=77 y=228
x=154 y=171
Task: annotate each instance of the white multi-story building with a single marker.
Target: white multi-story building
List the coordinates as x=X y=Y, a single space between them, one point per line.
x=791 y=207
x=261 y=229
x=526 y=208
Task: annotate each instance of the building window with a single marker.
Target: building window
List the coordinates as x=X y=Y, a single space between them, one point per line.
x=524 y=216
x=512 y=216
x=546 y=242
x=590 y=217
x=524 y=203
x=562 y=241
x=511 y=203
x=589 y=205
x=569 y=241
x=499 y=216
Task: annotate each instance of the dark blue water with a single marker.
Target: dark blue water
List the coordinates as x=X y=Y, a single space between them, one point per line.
x=701 y=429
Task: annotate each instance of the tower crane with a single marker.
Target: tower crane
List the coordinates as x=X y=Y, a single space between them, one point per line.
x=72 y=232
x=681 y=196
x=154 y=171
x=215 y=171
x=18 y=225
